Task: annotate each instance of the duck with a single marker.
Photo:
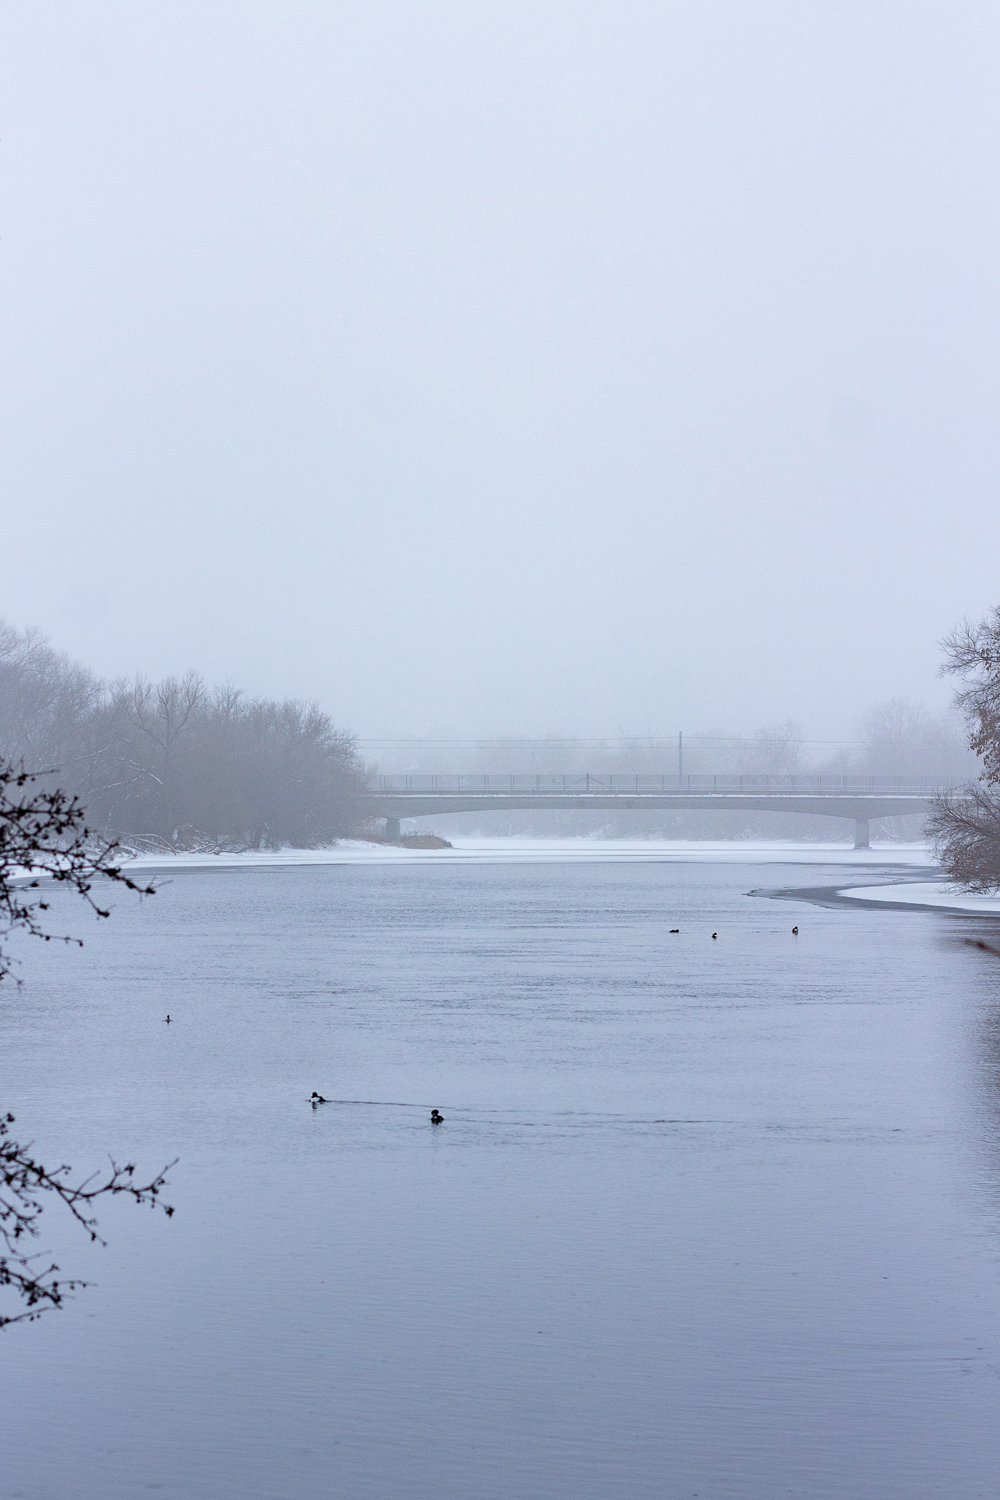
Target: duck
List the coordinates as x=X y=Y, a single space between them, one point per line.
x=715 y=934
x=168 y=1019
x=436 y=1117
x=318 y=1099
x=795 y=932
x=675 y=929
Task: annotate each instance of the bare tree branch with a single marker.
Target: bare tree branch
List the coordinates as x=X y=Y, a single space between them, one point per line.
x=43 y=839
x=23 y=1181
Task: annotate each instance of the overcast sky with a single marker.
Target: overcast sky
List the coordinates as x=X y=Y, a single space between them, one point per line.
x=504 y=368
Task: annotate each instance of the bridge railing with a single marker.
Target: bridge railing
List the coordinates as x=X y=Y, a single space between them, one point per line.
x=623 y=784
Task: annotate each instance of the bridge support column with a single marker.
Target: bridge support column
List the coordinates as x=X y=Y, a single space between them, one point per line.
x=392 y=834
x=862 y=833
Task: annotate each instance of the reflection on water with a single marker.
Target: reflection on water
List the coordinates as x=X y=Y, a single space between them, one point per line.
x=703 y=1217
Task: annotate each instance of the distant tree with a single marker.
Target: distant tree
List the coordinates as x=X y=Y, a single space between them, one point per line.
x=181 y=763
x=965 y=823
x=892 y=736
x=900 y=741
x=175 y=763
x=773 y=751
x=46 y=703
x=44 y=840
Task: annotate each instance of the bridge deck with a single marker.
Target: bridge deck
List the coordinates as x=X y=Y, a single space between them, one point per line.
x=829 y=804
x=857 y=797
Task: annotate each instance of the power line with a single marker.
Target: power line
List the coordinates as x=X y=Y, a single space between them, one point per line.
x=649 y=742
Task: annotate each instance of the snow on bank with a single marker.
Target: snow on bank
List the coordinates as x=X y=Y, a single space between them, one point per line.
x=937 y=893
x=559 y=851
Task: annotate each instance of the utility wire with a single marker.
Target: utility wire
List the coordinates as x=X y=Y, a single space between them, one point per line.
x=645 y=742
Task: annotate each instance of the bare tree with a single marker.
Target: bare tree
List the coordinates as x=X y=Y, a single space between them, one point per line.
x=46 y=701
x=973 y=653
x=966 y=823
x=965 y=827
x=892 y=736
x=174 y=763
x=899 y=740
x=184 y=764
x=771 y=752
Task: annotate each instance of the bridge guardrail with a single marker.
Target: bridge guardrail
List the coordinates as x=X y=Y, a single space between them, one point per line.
x=498 y=783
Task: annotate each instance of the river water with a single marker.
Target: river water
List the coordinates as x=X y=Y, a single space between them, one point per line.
x=706 y=1216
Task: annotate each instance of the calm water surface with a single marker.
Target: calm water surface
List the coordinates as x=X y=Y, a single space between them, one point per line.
x=714 y=1218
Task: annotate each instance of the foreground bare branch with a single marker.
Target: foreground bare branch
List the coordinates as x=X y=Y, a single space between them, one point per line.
x=23 y=1181
x=43 y=837
x=43 y=841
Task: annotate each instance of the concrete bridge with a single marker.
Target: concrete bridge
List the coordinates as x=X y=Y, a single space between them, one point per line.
x=859 y=797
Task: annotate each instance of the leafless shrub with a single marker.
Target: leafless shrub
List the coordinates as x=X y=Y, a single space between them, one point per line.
x=965 y=827
x=965 y=824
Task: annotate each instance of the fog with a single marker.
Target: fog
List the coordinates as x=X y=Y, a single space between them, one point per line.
x=499 y=369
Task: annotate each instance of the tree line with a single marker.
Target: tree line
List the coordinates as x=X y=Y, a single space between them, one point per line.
x=176 y=763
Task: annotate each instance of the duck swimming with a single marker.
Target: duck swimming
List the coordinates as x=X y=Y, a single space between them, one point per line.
x=317 y=1099
x=437 y=1118
x=795 y=932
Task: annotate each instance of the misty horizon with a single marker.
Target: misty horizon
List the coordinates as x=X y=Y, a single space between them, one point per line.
x=496 y=372
x=891 y=735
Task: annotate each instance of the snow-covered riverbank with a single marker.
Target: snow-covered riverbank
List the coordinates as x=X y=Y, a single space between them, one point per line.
x=937 y=893
x=558 y=851
x=883 y=857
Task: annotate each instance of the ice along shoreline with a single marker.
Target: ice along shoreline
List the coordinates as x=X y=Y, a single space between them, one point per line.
x=557 y=851
x=914 y=890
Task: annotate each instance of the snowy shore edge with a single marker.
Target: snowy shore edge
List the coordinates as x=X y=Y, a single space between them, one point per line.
x=938 y=894
x=935 y=893
x=558 y=851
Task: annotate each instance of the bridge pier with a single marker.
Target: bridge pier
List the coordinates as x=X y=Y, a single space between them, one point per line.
x=392 y=834
x=862 y=833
